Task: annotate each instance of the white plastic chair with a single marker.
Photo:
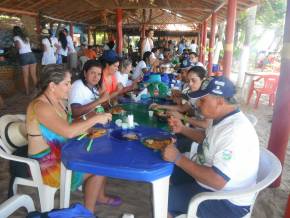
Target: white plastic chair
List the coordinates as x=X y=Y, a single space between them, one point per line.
x=252 y=118
x=46 y=193
x=17 y=201
x=269 y=170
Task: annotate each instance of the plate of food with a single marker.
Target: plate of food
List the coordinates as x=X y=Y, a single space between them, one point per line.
x=117 y=110
x=156 y=142
x=96 y=132
x=125 y=135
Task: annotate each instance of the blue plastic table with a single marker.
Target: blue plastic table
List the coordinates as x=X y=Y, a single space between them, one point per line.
x=129 y=160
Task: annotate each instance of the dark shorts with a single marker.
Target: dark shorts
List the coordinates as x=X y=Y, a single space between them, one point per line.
x=27 y=58
x=64 y=59
x=183 y=187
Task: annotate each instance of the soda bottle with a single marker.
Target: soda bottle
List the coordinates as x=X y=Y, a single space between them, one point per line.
x=156 y=91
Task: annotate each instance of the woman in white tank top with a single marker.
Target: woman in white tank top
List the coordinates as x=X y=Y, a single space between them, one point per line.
x=26 y=57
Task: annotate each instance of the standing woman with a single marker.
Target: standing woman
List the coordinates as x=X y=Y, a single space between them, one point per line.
x=48 y=56
x=62 y=50
x=27 y=58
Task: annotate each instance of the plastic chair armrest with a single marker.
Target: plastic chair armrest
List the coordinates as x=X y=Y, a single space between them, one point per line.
x=33 y=165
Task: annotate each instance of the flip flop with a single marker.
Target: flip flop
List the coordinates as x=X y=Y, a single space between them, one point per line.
x=112 y=201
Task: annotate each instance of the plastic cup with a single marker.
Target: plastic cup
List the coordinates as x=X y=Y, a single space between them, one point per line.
x=150 y=113
x=124 y=126
x=131 y=121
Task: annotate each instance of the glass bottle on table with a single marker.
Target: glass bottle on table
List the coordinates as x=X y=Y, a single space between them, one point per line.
x=155 y=92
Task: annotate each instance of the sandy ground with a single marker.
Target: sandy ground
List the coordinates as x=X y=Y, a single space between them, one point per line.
x=137 y=197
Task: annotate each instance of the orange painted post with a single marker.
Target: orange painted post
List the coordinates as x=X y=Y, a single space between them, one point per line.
x=204 y=41
x=230 y=31
x=119 y=13
x=287 y=212
x=201 y=33
x=211 y=42
x=71 y=30
x=281 y=116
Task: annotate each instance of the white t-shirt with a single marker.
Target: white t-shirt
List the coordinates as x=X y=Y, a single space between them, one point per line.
x=82 y=94
x=193 y=47
x=70 y=44
x=62 y=51
x=196 y=64
x=54 y=41
x=24 y=46
x=231 y=148
x=138 y=69
x=48 y=56
x=148 y=45
x=123 y=79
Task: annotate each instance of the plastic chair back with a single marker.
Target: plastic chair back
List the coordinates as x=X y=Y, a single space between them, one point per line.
x=269 y=170
x=270 y=83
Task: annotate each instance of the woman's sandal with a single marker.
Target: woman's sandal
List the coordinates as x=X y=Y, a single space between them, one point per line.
x=112 y=201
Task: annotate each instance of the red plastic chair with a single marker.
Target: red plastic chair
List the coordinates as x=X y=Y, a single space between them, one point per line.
x=269 y=88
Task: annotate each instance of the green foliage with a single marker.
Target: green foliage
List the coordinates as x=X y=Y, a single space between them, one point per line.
x=271 y=13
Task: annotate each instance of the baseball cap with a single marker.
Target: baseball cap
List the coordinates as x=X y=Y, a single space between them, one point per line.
x=185 y=64
x=219 y=86
x=110 y=56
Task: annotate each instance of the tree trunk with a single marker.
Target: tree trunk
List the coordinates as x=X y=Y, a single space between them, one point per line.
x=244 y=59
x=219 y=44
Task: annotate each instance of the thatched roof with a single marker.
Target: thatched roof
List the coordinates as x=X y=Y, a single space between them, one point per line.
x=102 y=13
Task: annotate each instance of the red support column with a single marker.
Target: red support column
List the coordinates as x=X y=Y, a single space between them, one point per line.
x=281 y=117
x=211 y=42
x=119 y=13
x=201 y=33
x=230 y=31
x=71 y=30
x=204 y=41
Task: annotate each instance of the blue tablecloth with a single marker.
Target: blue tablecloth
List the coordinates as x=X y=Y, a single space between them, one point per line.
x=129 y=160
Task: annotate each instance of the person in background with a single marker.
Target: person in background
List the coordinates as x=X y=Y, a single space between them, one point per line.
x=90 y=53
x=123 y=76
x=181 y=46
x=143 y=66
x=54 y=42
x=72 y=54
x=86 y=92
x=110 y=61
x=167 y=54
x=188 y=111
x=147 y=43
x=26 y=57
x=193 y=59
x=62 y=50
x=228 y=141
x=193 y=46
x=48 y=130
x=48 y=56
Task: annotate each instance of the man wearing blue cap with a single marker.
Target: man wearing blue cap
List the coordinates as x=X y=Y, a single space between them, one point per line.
x=226 y=158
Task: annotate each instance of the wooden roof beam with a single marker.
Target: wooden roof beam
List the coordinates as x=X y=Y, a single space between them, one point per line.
x=15 y=11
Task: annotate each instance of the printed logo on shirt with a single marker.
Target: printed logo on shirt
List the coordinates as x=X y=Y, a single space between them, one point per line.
x=200 y=152
x=227 y=154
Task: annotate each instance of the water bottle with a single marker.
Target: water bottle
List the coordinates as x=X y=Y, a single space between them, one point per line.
x=100 y=109
x=156 y=91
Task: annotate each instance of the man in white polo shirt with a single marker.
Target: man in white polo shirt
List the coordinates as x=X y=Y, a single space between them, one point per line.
x=227 y=157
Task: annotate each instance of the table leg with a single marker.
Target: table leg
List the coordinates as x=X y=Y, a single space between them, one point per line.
x=160 y=197
x=65 y=183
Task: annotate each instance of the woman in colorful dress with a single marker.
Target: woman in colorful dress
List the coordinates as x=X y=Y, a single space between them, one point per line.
x=48 y=129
